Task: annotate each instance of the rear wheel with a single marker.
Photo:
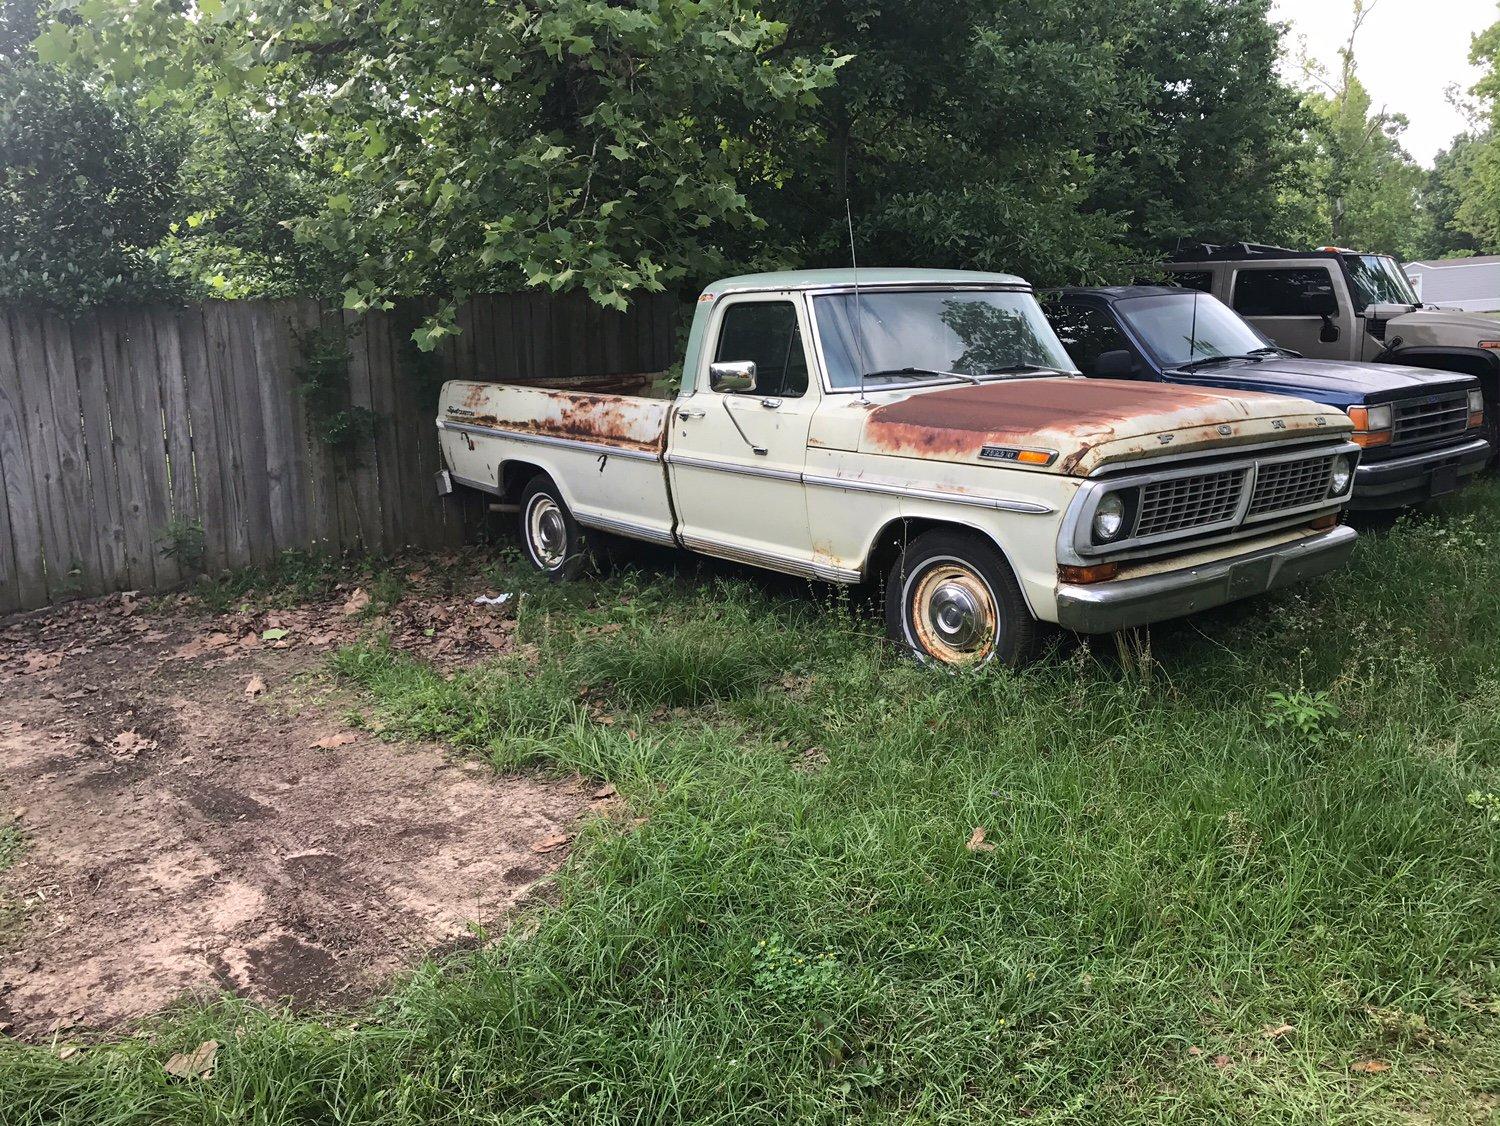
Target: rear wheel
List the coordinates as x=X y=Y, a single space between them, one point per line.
x=951 y=599
x=552 y=538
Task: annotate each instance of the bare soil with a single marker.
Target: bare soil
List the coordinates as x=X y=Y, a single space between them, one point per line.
x=196 y=816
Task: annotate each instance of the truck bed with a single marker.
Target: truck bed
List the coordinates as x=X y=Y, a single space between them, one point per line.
x=563 y=409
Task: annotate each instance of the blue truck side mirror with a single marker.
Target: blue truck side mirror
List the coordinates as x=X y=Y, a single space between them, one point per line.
x=1115 y=364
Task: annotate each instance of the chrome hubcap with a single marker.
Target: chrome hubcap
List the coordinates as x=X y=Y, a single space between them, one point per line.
x=548 y=532
x=953 y=613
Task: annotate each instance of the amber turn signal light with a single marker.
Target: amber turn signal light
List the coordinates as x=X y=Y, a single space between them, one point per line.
x=1372 y=425
x=1093 y=573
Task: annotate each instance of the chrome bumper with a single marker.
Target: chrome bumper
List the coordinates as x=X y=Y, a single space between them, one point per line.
x=1106 y=607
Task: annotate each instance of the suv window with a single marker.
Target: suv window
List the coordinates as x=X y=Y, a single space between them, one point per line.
x=1086 y=332
x=1192 y=279
x=766 y=332
x=1280 y=293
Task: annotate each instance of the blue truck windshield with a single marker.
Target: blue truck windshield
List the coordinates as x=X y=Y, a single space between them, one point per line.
x=1181 y=328
x=902 y=334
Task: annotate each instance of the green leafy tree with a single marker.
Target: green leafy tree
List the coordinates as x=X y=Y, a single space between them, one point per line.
x=556 y=143
x=1061 y=140
x=1442 y=197
x=1475 y=174
x=1360 y=188
x=88 y=184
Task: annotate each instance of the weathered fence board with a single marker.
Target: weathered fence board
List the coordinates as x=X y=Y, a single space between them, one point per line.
x=124 y=430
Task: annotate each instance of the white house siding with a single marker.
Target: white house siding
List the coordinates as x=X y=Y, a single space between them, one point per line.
x=1470 y=284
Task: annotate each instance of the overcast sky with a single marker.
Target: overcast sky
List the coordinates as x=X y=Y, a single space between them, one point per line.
x=1408 y=53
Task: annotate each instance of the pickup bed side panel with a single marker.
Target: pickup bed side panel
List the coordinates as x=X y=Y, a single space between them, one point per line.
x=604 y=452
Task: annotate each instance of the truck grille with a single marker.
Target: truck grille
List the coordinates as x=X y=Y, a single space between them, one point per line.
x=1189 y=502
x=1290 y=484
x=1442 y=416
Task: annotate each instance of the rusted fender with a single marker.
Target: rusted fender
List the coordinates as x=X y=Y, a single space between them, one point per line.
x=1076 y=416
x=625 y=421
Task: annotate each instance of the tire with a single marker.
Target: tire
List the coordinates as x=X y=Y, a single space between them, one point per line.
x=951 y=599
x=551 y=538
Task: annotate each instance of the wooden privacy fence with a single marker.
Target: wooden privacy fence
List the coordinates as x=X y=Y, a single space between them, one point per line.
x=139 y=444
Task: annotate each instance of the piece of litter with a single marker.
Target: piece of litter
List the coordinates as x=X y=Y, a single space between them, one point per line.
x=493 y=599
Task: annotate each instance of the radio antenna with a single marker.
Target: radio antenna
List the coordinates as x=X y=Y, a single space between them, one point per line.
x=859 y=314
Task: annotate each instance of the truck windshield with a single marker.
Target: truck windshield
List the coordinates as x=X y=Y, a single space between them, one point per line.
x=1378 y=280
x=898 y=337
x=1182 y=328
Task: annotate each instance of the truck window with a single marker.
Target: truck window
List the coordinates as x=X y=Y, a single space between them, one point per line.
x=1085 y=333
x=1192 y=279
x=767 y=333
x=1280 y=293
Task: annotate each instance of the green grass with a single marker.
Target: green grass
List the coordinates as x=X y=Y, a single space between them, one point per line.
x=1275 y=816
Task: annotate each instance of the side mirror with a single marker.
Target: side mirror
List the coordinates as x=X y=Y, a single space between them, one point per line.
x=1116 y=364
x=1329 y=332
x=734 y=375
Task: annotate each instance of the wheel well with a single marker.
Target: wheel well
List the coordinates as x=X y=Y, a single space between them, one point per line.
x=889 y=541
x=1483 y=365
x=515 y=476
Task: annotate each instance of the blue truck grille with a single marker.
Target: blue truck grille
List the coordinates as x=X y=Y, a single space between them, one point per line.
x=1442 y=416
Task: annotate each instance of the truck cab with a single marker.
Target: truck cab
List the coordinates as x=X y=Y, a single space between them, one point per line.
x=1422 y=430
x=1338 y=304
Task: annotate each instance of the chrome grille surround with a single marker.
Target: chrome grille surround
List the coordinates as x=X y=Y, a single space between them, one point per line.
x=1272 y=486
x=1430 y=418
x=1187 y=502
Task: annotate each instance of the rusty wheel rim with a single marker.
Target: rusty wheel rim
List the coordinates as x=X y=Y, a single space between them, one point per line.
x=547 y=532
x=952 y=613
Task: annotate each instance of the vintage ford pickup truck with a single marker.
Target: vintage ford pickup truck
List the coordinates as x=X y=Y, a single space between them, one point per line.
x=925 y=429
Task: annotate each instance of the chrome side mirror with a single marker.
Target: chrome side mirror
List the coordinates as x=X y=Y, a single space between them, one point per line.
x=732 y=376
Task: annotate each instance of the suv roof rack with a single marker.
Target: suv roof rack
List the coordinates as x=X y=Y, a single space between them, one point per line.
x=1237 y=251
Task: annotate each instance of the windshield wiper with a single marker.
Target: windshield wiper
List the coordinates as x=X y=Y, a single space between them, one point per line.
x=1022 y=369
x=920 y=371
x=1194 y=365
x=1268 y=350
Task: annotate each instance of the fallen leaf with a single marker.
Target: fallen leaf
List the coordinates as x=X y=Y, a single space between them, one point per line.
x=41 y=662
x=1195 y=1050
x=1277 y=1031
x=551 y=844
x=333 y=742
x=605 y=791
x=1369 y=1067
x=273 y=634
x=1221 y=1061
x=357 y=601
x=494 y=638
x=132 y=742
x=67 y=1051
x=976 y=841
x=255 y=688
x=197 y=1064
x=250 y=641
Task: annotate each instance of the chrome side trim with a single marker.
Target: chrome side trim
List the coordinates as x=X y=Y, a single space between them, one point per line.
x=733 y=467
x=627 y=528
x=628 y=452
x=806 y=568
x=1001 y=504
x=482 y=486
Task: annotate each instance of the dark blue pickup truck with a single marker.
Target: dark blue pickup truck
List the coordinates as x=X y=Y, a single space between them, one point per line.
x=1422 y=430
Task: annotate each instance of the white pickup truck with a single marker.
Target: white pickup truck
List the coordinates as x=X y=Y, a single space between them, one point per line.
x=925 y=429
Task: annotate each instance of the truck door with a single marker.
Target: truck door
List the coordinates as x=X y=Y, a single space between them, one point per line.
x=1288 y=303
x=736 y=456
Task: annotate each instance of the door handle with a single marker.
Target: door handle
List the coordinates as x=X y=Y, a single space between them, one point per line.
x=689 y=412
x=770 y=404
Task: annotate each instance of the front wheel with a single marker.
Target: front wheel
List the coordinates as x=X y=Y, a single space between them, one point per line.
x=952 y=600
x=552 y=538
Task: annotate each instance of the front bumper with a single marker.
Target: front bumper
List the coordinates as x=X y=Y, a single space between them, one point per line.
x=1123 y=603
x=1412 y=479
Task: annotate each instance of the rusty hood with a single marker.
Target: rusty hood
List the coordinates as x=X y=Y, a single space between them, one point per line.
x=1085 y=422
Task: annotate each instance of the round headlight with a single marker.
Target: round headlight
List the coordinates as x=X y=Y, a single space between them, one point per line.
x=1109 y=518
x=1342 y=476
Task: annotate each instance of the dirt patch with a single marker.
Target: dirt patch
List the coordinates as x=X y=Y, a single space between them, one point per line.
x=184 y=834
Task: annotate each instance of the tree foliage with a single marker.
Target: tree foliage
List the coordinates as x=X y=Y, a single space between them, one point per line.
x=541 y=142
x=87 y=182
